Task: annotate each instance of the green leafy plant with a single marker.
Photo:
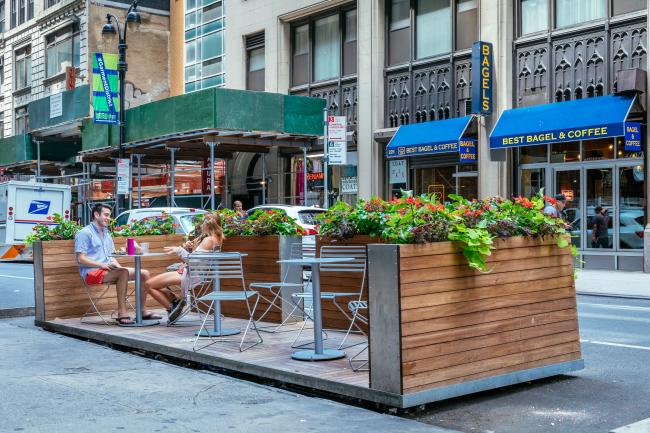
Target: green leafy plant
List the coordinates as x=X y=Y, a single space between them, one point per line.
x=264 y=222
x=474 y=224
x=64 y=229
x=158 y=225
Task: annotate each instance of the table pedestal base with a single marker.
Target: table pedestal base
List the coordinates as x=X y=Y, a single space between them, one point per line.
x=311 y=355
x=140 y=325
x=215 y=333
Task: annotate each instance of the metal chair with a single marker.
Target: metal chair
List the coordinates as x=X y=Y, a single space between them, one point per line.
x=275 y=289
x=214 y=267
x=357 y=266
x=93 y=310
x=354 y=307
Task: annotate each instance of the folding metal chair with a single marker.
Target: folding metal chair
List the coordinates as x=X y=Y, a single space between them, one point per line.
x=215 y=267
x=358 y=266
x=354 y=307
x=275 y=298
x=94 y=309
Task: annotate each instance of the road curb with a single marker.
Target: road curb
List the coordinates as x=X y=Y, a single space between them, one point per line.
x=613 y=295
x=8 y=313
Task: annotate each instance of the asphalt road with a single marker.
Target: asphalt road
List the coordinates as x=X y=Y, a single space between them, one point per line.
x=612 y=391
x=16 y=285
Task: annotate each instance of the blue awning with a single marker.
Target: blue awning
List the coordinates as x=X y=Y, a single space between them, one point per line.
x=582 y=119
x=438 y=136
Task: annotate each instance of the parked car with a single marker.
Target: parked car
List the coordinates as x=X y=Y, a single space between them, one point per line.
x=305 y=216
x=183 y=216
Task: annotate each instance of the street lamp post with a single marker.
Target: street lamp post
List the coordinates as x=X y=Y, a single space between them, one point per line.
x=109 y=31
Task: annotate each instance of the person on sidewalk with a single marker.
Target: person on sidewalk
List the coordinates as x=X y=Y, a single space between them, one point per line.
x=600 y=232
x=211 y=238
x=93 y=247
x=555 y=207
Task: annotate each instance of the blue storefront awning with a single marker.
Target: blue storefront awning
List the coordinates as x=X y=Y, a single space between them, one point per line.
x=582 y=119
x=438 y=136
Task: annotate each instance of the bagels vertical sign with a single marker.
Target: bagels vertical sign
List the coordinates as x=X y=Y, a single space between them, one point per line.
x=482 y=78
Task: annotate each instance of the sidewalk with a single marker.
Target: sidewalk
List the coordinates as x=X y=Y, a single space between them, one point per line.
x=56 y=384
x=613 y=283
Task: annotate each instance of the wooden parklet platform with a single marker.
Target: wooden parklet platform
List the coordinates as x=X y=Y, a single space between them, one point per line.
x=270 y=360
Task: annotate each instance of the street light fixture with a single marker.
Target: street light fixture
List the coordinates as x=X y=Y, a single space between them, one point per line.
x=111 y=29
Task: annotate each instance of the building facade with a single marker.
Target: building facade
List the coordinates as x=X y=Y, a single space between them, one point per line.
x=384 y=64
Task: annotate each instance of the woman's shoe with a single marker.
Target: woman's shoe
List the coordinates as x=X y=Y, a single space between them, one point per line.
x=176 y=311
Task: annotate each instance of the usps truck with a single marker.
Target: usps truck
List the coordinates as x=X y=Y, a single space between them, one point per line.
x=22 y=206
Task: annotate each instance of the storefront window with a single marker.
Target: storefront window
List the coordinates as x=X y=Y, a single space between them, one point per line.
x=593 y=150
x=468 y=186
x=532 y=181
x=533 y=154
x=565 y=152
x=599 y=195
x=567 y=182
x=446 y=180
x=631 y=204
x=621 y=153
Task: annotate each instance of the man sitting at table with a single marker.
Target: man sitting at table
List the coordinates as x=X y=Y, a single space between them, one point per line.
x=93 y=247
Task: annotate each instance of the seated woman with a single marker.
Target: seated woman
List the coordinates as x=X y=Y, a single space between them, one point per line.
x=209 y=240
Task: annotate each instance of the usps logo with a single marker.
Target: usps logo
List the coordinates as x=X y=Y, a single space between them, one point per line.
x=39 y=207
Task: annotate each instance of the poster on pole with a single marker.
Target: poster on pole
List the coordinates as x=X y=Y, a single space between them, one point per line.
x=123 y=176
x=106 y=100
x=337 y=140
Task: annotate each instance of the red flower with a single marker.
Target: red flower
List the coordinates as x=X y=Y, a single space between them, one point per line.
x=49 y=218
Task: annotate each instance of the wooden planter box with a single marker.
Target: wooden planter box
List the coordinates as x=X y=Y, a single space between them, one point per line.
x=261 y=265
x=341 y=282
x=58 y=288
x=441 y=329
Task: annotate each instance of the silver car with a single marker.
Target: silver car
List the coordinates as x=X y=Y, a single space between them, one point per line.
x=183 y=216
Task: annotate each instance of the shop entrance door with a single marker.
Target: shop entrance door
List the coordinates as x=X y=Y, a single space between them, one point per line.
x=599 y=192
x=567 y=182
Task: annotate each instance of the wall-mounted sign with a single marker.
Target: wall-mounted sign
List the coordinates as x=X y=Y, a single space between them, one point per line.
x=482 y=78
x=633 y=136
x=467 y=151
x=70 y=77
x=56 y=105
x=106 y=103
x=349 y=185
x=337 y=128
x=397 y=168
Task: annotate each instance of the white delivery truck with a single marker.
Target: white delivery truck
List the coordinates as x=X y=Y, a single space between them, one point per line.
x=22 y=206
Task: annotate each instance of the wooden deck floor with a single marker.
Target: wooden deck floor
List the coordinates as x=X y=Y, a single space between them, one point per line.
x=270 y=360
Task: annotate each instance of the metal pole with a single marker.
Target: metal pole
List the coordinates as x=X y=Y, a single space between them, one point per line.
x=211 y=175
x=130 y=181
x=304 y=175
x=121 y=68
x=226 y=194
x=264 y=178
x=38 y=160
x=325 y=160
x=172 y=170
x=139 y=157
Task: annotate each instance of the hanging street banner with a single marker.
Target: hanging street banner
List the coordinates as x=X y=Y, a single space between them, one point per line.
x=482 y=78
x=106 y=101
x=467 y=151
x=633 y=136
x=337 y=148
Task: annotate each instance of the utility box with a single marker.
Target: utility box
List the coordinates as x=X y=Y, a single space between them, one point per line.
x=23 y=205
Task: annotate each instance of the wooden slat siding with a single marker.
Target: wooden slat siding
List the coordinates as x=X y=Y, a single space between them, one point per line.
x=260 y=265
x=459 y=324
x=63 y=292
x=342 y=282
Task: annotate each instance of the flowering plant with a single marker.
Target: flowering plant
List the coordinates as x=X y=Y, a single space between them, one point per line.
x=424 y=219
x=263 y=222
x=157 y=225
x=64 y=229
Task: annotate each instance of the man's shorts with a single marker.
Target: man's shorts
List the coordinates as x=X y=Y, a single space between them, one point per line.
x=96 y=276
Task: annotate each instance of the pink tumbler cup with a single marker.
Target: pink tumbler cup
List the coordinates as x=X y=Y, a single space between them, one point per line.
x=130 y=246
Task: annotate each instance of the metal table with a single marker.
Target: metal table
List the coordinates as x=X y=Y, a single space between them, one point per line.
x=318 y=353
x=217 y=330
x=137 y=259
